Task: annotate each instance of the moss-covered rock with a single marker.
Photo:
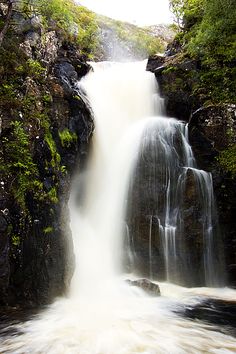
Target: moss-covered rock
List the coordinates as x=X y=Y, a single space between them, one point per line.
x=38 y=103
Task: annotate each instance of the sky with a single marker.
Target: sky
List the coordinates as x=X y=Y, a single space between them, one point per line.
x=139 y=12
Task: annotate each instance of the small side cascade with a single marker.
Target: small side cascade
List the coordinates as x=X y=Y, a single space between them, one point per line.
x=150 y=248
x=168 y=184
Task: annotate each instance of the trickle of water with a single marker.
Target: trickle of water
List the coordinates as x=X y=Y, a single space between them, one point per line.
x=168 y=186
x=150 y=248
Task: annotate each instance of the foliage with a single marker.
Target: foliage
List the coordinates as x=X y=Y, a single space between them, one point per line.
x=35 y=69
x=52 y=195
x=55 y=157
x=15 y=239
x=209 y=36
x=187 y=12
x=19 y=163
x=29 y=115
x=75 y=23
x=48 y=230
x=227 y=160
x=67 y=138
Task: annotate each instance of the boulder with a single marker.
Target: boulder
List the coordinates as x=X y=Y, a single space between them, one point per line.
x=146 y=285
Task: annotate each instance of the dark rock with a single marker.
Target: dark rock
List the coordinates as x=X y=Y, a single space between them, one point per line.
x=173 y=48
x=146 y=285
x=211 y=130
x=36 y=250
x=214 y=311
x=32 y=24
x=154 y=62
x=176 y=80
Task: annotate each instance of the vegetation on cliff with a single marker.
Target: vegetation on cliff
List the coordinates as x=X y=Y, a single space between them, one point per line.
x=207 y=35
x=25 y=100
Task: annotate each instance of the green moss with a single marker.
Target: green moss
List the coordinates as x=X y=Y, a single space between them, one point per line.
x=18 y=163
x=170 y=69
x=48 y=230
x=15 y=239
x=227 y=160
x=52 y=195
x=35 y=70
x=47 y=99
x=67 y=138
x=55 y=157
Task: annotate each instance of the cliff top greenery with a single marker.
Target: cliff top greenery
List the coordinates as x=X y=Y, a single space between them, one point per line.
x=74 y=24
x=80 y=26
x=142 y=40
x=208 y=34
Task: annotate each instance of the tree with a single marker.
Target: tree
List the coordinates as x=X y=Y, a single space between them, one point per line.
x=177 y=8
x=7 y=19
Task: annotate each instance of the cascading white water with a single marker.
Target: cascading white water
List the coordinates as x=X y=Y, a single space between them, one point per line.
x=98 y=224
x=170 y=188
x=103 y=314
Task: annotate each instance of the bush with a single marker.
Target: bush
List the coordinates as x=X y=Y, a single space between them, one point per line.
x=75 y=23
x=209 y=35
x=227 y=160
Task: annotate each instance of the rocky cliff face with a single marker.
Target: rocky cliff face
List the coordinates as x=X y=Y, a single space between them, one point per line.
x=212 y=131
x=46 y=112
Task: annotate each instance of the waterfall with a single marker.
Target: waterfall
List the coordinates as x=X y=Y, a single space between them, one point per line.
x=134 y=141
x=141 y=190
x=168 y=185
x=98 y=222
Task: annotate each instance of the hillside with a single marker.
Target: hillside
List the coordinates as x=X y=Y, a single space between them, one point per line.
x=122 y=40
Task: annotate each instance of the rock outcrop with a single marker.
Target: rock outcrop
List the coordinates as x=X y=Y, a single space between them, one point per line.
x=146 y=285
x=36 y=251
x=211 y=132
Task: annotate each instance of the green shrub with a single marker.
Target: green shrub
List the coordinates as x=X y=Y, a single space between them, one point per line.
x=75 y=23
x=227 y=160
x=209 y=36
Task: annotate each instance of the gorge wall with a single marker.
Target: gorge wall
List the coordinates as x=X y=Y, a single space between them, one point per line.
x=45 y=130
x=212 y=131
x=45 y=133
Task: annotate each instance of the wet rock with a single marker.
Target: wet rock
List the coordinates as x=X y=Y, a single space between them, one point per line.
x=176 y=79
x=36 y=250
x=154 y=62
x=49 y=48
x=212 y=129
x=32 y=24
x=146 y=285
x=214 y=311
x=33 y=38
x=173 y=48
